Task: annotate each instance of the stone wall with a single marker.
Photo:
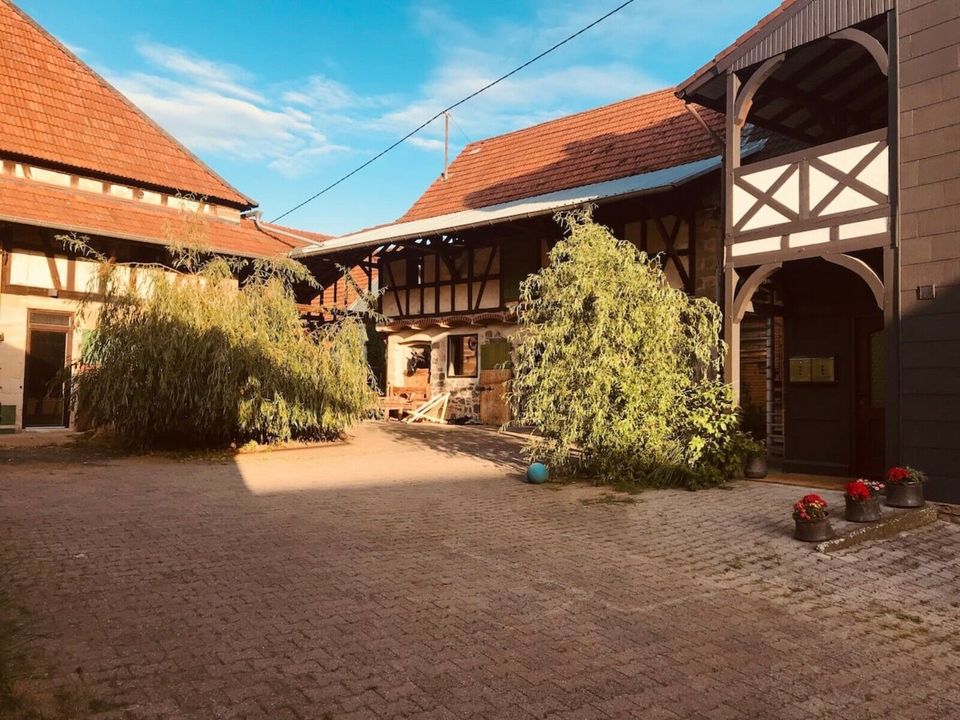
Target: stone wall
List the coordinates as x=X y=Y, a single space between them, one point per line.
x=709 y=247
x=464 y=391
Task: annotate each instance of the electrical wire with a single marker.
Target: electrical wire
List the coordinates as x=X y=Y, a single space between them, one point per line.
x=465 y=136
x=460 y=102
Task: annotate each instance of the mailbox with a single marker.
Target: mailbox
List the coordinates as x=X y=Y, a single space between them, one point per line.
x=813 y=370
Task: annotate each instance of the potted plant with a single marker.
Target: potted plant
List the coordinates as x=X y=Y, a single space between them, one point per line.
x=812 y=519
x=905 y=487
x=755 y=458
x=863 y=501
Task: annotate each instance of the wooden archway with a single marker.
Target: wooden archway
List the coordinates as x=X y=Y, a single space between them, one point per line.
x=750 y=287
x=745 y=97
x=869 y=43
x=864 y=271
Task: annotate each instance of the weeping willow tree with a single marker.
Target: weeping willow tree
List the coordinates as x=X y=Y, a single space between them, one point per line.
x=618 y=372
x=187 y=356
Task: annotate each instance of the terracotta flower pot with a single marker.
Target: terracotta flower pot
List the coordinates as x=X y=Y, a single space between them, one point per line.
x=905 y=495
x=813 y=530
x=862 y=510
x=756 y=467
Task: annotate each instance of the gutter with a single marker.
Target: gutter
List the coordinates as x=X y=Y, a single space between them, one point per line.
x=255 y=215
x=344 y=242
x=328 y=249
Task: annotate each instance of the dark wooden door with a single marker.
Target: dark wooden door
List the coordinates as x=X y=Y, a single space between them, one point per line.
x=869 y=398
x=45 y=395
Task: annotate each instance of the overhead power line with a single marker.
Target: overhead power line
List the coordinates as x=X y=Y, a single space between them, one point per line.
x=460 y=102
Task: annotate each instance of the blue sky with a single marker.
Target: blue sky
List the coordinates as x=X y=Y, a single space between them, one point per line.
x=283 y=97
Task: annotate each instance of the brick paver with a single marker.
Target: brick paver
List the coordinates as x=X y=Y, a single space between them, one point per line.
x=410 y=574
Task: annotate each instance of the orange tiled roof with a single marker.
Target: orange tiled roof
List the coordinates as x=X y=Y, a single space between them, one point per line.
x=33 y=203
x=56 y=109
x=307 y=234
x=639 y=135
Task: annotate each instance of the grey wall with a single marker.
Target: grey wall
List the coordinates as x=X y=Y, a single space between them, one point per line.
x=929 y=78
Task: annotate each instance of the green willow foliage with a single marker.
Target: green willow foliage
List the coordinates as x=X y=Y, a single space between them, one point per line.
x=199 y=360
x=617 y=371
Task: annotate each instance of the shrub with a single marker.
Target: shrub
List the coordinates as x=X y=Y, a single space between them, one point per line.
x=618 y=372
x=195 y=359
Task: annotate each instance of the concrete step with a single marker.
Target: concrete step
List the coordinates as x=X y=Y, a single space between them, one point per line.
x=892 y=522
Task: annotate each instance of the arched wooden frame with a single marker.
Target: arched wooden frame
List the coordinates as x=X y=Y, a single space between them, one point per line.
x=750 y=287
x=858 y=266
x=853 y=264
x=869 y=43
x=745 y=98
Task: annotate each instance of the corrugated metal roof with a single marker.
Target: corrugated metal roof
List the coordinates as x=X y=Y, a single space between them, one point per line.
x=656 y=181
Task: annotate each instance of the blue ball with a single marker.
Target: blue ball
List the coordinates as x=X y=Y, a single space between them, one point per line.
x=537 y=473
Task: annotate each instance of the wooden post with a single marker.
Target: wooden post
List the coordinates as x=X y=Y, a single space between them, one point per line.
x=731 y=162
x=891 y=254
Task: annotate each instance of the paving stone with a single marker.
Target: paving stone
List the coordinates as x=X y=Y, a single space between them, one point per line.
x=409 y=573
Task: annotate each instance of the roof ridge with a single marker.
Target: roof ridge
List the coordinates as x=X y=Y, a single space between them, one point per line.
x=662 y=91
x=129 y=103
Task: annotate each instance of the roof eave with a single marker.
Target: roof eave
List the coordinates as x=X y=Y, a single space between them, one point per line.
x=344 y=243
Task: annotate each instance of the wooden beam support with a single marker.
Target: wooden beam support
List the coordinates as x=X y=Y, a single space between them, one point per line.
x=864 y=271
x=750 y=287
x=745 y=97
x=869 y=43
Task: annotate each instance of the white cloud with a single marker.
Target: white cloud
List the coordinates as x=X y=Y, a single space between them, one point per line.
x=320 y=91
x=77 y=50
x=426 y=143
x=221 y=77
x=555 y=86
x=293 y=125
x=209 y=106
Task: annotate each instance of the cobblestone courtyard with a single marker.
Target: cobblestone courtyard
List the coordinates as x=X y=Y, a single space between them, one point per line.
x=408 y=573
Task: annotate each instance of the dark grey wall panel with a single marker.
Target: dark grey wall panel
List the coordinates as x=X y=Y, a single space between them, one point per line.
x=929 y=81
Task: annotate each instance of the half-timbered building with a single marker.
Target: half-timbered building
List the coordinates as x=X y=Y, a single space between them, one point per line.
x=842 y=256
x=77 y=158
x=450 y=269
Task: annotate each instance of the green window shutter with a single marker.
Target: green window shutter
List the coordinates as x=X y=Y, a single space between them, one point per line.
x=8 y=414
x=495 y=354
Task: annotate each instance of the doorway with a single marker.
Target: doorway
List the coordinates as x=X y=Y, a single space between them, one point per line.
x=869 y=398
x=46 y=394
x=495 y=376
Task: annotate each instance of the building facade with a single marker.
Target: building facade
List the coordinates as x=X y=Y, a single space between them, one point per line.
x=450 y=269
x=77 y=159
x=846 y=251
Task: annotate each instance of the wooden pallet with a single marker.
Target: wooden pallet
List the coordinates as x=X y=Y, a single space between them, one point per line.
x=434 y=410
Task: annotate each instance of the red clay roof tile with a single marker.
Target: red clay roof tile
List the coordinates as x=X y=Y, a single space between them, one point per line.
x=639 y=135
x=56 y=109
x=34 y=203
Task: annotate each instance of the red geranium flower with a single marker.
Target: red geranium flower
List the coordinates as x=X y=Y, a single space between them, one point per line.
x=897 y=474
x=857 y=490
x=810 y=507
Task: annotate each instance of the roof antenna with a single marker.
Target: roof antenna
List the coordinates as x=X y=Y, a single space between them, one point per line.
x=446 y=142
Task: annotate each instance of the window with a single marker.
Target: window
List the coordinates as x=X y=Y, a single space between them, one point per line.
x=462 y=355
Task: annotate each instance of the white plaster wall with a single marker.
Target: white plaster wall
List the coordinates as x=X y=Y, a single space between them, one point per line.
x=13 y=328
